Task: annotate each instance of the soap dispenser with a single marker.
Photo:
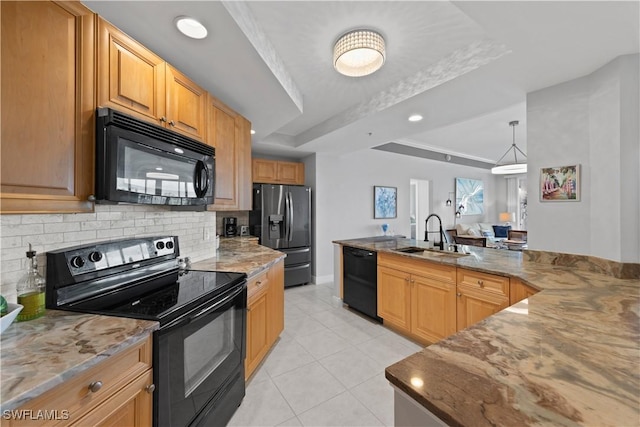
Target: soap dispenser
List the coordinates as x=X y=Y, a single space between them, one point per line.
x=30 y=290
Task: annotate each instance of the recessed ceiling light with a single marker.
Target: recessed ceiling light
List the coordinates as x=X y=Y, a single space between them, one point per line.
x=415 y=118
x=253 y=132
x=190 y=27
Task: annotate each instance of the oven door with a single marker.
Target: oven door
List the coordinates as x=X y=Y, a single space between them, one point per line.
x=199 y=362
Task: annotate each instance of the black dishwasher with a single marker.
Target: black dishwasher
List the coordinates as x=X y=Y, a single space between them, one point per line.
x=360 y=281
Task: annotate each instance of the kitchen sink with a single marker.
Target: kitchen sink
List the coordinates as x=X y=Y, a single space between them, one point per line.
x=430 y=252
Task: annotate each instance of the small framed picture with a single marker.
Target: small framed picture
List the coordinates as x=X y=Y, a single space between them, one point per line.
x=385 y=202
x=560 y=184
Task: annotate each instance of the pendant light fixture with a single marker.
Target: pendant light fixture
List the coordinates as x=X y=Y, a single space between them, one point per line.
x=359 y=53
x=515 y=167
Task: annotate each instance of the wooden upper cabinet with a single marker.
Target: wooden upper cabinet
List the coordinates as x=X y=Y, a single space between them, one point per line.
x=186 y=105
x=278 y=172
x=136 y=81
x=130 y=76
x=290 y=173
x=229 y=134
x=48 y=99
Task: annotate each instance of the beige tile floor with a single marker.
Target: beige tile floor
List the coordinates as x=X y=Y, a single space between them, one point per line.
x=327 y=369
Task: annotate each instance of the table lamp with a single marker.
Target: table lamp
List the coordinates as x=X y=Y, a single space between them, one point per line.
x=507 y=217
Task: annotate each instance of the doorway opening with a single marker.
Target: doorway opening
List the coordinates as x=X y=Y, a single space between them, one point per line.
x=420 y=200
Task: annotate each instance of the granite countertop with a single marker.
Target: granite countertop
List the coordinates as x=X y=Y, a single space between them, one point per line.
x=568 y=355
x=240 y=255
x=37 y=355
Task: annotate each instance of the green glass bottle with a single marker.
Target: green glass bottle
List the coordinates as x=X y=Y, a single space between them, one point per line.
x=30 y=289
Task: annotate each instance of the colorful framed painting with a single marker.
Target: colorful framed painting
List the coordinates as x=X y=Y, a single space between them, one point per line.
x=560 y=184
x=385 y=202
x=469 y=196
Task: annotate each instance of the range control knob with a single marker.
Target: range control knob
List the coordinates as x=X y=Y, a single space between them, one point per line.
x=95 y=256
x=169 y=244
x=160 y=245
x=77 y=261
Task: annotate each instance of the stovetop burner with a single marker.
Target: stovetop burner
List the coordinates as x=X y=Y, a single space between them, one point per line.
x=138 y=278
x=164 y=303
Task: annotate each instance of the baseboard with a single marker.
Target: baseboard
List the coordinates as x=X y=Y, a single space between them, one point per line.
x=322 y=279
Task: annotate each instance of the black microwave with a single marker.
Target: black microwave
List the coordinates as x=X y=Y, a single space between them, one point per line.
x=138 y=162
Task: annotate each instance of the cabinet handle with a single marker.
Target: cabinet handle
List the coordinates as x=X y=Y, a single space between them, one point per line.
x=481 y=283
x=406 y=279
x=91 y=198
x=95 y=386
x=163 y=119
x=150 y=388
x=459 y=294
x=172 y=123
x=258 y=283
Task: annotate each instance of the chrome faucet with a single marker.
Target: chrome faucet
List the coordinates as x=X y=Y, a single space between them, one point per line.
x=440 y=231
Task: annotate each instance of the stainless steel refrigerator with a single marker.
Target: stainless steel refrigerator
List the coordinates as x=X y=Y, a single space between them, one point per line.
x=281 y=219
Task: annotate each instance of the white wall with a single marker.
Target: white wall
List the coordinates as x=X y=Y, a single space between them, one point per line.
x=47 y=232
x=343 y=188
x=592 y=121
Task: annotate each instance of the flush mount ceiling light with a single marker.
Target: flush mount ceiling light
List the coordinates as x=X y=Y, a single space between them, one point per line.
x=515 y=167
x=190 y=27
x=359 y=53
x=415 y=118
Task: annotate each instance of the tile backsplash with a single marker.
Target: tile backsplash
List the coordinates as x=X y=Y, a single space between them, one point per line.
x=47 y=232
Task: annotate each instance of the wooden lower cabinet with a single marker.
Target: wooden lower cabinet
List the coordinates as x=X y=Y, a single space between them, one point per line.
x=433 y=308
x=480 y=295
x=257 y=334
x=417 y=304
x=124 y=399
x=474 y=305
x=394 y=297
x=519 y=291
x=265 y=314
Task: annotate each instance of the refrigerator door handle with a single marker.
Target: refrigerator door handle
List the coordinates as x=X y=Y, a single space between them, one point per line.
x=290 y=216
x=287 y=220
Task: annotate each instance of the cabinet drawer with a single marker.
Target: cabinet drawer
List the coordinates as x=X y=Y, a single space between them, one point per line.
x=257 y=284
x=487 y=282
x=74 y=395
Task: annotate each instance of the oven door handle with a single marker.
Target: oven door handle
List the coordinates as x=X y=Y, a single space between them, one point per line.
x=215 y=305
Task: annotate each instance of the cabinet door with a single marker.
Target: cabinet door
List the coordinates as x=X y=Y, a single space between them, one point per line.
x=264 y=171
x=433 y=308
x=519 y=291
x=257 y=332
x=290 y=173
x=222 y=136
x=276 y=301
x=130 y=407
x=475 y=305
x=48 y=98
x=394 y=297
x=186 y=105
x=131 y=78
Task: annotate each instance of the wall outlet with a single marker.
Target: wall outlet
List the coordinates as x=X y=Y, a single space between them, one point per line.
x=206 y=235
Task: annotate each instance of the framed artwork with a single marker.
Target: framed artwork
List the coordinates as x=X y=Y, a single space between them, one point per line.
x=560 y=184
x=385 y=202
x=469 y=196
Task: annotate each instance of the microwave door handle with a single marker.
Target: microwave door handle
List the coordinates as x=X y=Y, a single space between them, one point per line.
x=201 y=179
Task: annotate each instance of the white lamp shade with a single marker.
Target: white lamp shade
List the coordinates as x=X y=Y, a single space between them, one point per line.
x=507 y=216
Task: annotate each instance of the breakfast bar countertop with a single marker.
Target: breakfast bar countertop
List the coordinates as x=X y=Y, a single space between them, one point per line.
x=240 y=255
x=569 y=355
x=37 y=355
